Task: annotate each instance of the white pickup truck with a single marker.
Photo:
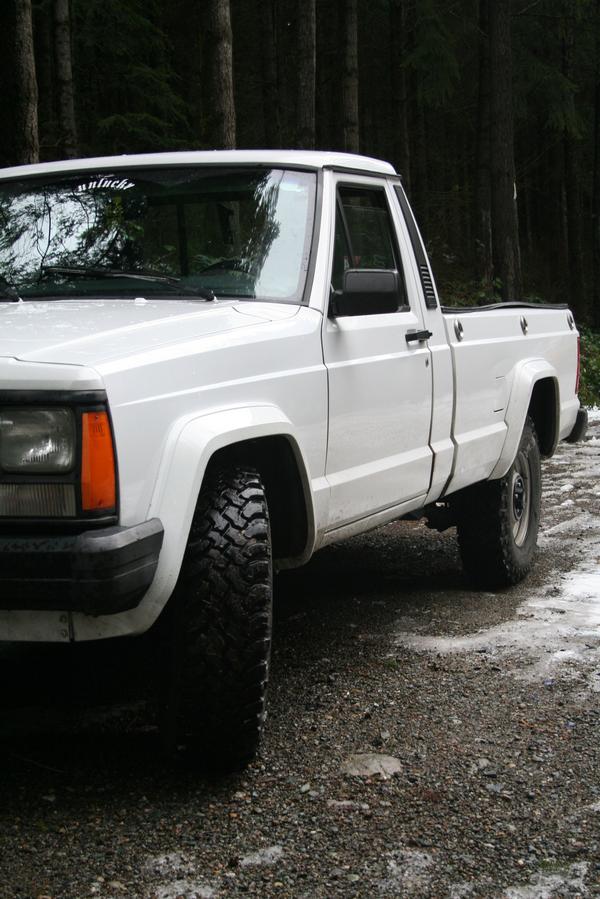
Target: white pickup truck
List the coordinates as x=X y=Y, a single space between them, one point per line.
x=213 y=364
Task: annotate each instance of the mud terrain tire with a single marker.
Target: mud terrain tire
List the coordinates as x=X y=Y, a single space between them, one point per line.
x=222 y=622
x=497 y=521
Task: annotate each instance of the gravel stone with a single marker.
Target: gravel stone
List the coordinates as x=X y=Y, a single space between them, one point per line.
x=371 y=764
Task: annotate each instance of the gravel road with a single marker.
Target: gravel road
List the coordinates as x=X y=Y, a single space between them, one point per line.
x=423 y=740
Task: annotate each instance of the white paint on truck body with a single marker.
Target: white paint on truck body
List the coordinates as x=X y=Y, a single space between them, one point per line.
x=378 y=425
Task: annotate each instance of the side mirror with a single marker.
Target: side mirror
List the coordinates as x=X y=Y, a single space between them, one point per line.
x=367 y=291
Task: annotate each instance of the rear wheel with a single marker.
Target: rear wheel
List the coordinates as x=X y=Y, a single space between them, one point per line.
x=497 y=521
x=221 y=623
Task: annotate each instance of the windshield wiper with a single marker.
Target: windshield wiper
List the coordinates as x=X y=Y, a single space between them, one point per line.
x=91 y=272
x=8 y=292
x=83 y=271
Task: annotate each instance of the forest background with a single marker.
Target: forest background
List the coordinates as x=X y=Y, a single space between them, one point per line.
x=490 y=110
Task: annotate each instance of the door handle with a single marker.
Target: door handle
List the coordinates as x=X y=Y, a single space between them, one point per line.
x=417 y=336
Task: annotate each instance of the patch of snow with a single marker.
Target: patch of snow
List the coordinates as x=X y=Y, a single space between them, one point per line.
x=408 y=873
x=461 y=890
x=583 y=521
x=268 y=856
x=184 y=889
x=557 y=627
x=177 y=877
x=593 y=413
x=169 y=863
x=370 y=764
x=583 y=810
x=551 y=886
x=347 y=805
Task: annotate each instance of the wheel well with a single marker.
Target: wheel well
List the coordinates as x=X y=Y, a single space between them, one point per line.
x=543 y=409
x=276 y=462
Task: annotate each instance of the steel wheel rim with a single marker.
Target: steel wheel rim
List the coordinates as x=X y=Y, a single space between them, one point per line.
x=520 y=499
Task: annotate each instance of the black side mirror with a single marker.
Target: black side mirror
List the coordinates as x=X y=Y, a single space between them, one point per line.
x=367 y=291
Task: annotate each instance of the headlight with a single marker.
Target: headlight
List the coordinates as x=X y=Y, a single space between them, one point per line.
x=36 y=441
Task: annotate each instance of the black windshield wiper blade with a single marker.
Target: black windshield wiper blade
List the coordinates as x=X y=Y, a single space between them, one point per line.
x=205 y=293
x=90 y=272
x=8 y=293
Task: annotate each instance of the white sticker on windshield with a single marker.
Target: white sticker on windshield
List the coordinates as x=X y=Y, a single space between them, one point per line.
x=105 y=184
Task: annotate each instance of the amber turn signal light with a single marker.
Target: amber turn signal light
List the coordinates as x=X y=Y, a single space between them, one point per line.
x=98 y=490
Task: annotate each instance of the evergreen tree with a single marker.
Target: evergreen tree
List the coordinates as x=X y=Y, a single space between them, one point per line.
x=468 y=99
x=127 y=98
x=307 y=71
x=64 y=79
x=350 y=82
x=505 y=226
x=19 y=139
x=223 y=131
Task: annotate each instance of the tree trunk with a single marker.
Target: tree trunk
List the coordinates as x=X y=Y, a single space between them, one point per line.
x=19 y=139
x=64 y=79
x=399 y=124
x=526 y=208
x=505 y=226
x=350 y=81
x=43 y=34
x=221 y=75
x=307 y=69
x=578 y=293
x=272 y=124
x=420 y=180
x=328 y=107
x=483 y=214
x=560 y=232
x=576 y=289
x=596 y=182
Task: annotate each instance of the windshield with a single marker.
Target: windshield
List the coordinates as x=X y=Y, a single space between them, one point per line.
x=159 y=231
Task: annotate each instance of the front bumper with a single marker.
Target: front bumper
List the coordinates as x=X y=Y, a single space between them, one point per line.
x=98 y=572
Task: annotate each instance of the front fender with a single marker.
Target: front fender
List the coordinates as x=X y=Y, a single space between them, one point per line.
x=525 y=376
x=192 y=442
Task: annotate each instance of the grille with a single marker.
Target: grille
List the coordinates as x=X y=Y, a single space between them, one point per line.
x=37 y=501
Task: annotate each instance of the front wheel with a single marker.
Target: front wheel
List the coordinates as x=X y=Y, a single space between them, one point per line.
x=221 y=623
x=497 y=521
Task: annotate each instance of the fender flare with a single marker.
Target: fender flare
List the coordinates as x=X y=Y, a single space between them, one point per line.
x=526 y=374
x=191 y=443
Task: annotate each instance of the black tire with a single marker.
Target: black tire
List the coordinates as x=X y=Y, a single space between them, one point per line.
x=221 y=624
x=497 y=521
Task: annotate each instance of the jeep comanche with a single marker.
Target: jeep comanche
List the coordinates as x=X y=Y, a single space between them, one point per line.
x=214 y=363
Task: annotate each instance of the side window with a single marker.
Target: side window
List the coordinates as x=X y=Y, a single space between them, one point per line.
x=341 y=252
x=364 y=236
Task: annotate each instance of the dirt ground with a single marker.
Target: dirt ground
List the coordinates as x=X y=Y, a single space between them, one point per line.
x=423 y=740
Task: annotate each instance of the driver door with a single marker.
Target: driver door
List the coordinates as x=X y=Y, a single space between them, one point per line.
x=380 y=383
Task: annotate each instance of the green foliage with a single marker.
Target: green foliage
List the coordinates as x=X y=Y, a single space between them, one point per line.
x=142 y=83
x=552 y=93
x=128 y=94
x=433 y=58
x=465 y=292
x=589 y=388
x=551 y=45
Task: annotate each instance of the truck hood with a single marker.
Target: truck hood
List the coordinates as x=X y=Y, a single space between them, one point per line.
x=90 y=332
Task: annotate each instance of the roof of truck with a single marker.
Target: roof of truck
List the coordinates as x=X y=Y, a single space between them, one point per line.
x=309 y=159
